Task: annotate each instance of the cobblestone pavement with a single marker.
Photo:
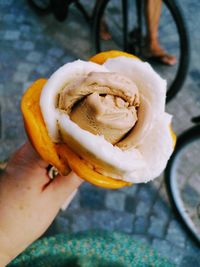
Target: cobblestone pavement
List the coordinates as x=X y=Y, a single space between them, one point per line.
x=33 y=47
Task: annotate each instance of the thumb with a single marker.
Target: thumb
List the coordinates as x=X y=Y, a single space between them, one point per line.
x=63 y=188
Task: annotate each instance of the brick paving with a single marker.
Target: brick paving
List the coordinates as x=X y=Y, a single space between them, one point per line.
x=32 y=47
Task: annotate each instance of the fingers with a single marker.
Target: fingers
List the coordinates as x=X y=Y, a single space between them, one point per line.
x=32 y=155
x=63 y=188
x=26 y=154
x=26 y=167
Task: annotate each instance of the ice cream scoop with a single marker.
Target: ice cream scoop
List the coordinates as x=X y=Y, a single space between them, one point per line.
x=107 y=121
x=107 y=116
x=101 y=103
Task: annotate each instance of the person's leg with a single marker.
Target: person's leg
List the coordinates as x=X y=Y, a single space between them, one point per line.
x=104 y=31
x=153 y=12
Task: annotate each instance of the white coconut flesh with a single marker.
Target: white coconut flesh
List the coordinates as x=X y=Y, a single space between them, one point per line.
x=139 y=157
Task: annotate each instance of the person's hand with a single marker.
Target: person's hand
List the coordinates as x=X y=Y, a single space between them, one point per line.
x=29 y=201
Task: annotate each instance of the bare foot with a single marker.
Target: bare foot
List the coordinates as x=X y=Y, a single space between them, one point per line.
x=104 y=32
x=161 y=55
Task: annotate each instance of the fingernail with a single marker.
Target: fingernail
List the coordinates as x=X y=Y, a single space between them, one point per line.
x=68 y=200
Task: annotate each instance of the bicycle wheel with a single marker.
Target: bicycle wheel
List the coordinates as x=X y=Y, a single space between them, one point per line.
x=182 y=51
x=128 y=30
x=182 y=177
x=42 y=7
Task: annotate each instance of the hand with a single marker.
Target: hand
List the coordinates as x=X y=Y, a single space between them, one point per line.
x=29 y=201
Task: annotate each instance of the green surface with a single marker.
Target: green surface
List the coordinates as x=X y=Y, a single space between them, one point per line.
x=89 y=249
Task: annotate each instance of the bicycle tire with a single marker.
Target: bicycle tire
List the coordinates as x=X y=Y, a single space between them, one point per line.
x=41 y=10
x=176 y=13
x=189 y=136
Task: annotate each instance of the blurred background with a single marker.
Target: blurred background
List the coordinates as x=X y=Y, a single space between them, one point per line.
x=34 y=43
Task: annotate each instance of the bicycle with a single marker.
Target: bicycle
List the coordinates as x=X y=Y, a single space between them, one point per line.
x=182 y=178
x=133 y=40
x=128 y=35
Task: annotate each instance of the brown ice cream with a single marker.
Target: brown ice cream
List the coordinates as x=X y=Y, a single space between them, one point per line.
x=102 y=103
